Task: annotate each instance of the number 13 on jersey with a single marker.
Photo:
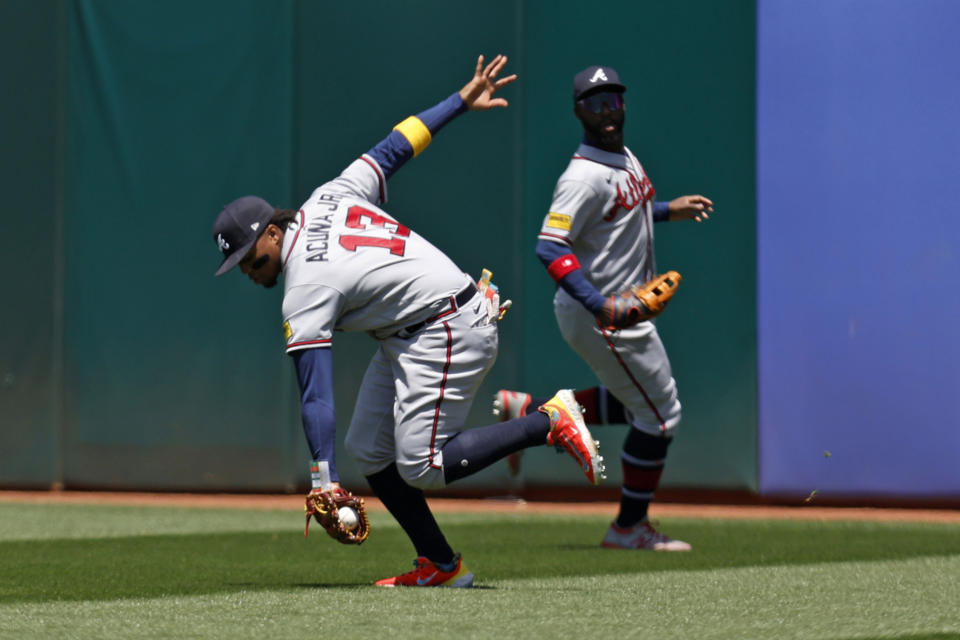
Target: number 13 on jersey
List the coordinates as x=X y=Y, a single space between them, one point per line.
x=361 y=218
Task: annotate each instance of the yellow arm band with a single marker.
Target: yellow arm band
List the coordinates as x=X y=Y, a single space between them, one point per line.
x=416 y=133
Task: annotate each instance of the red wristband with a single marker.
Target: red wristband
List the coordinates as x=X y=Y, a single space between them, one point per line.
x=562 y=266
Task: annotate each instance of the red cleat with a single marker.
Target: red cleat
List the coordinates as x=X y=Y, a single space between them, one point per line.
x=569 y=432
x=427 y=574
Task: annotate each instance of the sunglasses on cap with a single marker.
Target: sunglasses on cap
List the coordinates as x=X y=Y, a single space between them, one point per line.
x=594 y=103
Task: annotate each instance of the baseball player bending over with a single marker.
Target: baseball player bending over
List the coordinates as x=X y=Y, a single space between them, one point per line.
x=596 y=242
x=348 y=265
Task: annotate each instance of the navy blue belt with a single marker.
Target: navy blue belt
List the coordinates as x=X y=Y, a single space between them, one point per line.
x=456 y=302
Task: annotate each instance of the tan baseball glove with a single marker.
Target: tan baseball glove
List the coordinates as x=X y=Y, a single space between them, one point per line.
x=636 y=304
x=325 y=508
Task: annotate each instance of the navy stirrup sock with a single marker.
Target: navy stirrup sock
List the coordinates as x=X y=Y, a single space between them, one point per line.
x=642 y=459
x=474 y=449
x=409 y=506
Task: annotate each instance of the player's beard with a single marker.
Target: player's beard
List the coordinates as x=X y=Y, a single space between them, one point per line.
x=272 y=282
x=268 y=282
x=607 y=134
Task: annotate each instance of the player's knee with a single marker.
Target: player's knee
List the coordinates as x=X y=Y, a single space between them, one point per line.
x=353 y=446
x=421 y=475
x=366 y=459
x=661 y=419
x=665 y=429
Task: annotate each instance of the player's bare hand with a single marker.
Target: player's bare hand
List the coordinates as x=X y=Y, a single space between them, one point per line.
x=478 y=93
x=696 y=208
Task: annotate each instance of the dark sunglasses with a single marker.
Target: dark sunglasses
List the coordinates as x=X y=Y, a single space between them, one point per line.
x=259 y=262
x=594 y=103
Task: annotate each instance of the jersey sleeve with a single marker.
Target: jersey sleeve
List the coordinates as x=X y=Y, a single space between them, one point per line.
x=367 y=176
x=363 y=179
x=565 y=270
x=412 y=135
x=315 y=376
x=573 y=202
x=661 y=211
x=310 y=315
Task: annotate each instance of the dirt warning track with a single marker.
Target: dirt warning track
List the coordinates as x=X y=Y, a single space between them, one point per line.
x=490 y=505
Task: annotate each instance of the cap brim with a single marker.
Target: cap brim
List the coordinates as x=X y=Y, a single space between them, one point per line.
x=234 y=258
x=600 y=88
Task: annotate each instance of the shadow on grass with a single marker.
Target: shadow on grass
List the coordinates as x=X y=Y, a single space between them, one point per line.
x=179 y=565
x=321 y=585
x=364 y=585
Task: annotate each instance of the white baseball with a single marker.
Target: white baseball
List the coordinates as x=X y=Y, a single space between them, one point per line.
x=348 y=517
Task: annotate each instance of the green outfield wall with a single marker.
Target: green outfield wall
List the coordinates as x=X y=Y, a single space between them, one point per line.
x=127 y=365
x=31 y=238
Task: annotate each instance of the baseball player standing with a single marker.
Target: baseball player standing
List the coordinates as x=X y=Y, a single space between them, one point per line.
x=596 y=241
x=347 y=265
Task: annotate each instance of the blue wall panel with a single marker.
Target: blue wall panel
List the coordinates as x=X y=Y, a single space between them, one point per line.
x=857 y=161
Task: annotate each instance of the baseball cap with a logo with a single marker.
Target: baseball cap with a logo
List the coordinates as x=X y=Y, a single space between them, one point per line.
x=238 y=227
x=595 y=77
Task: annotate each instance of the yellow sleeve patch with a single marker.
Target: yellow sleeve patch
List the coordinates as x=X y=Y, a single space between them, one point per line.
x=287 y=332
x=416 y=133
x=558 y=221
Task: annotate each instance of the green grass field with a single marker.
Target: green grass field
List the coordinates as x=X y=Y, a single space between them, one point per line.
x=77 y=571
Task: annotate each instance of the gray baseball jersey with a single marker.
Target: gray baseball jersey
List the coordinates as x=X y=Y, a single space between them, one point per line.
x=602 y=210
x=350 y=266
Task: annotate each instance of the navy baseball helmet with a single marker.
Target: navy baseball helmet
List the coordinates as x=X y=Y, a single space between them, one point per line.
x=596 y=77
x=238 y=227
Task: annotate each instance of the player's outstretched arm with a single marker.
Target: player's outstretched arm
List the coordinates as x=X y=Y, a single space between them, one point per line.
x=477 y=94
x=412 y=135
x=695 y=208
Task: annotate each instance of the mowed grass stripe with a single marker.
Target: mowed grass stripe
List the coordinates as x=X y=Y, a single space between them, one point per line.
x=64 y=521
x=496 y=548
x=907 y=599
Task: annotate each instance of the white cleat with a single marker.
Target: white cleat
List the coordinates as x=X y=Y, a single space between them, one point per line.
x=509 y=405
x=641 y=536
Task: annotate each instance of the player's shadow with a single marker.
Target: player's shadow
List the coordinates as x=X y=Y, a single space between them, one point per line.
x=330 y=585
